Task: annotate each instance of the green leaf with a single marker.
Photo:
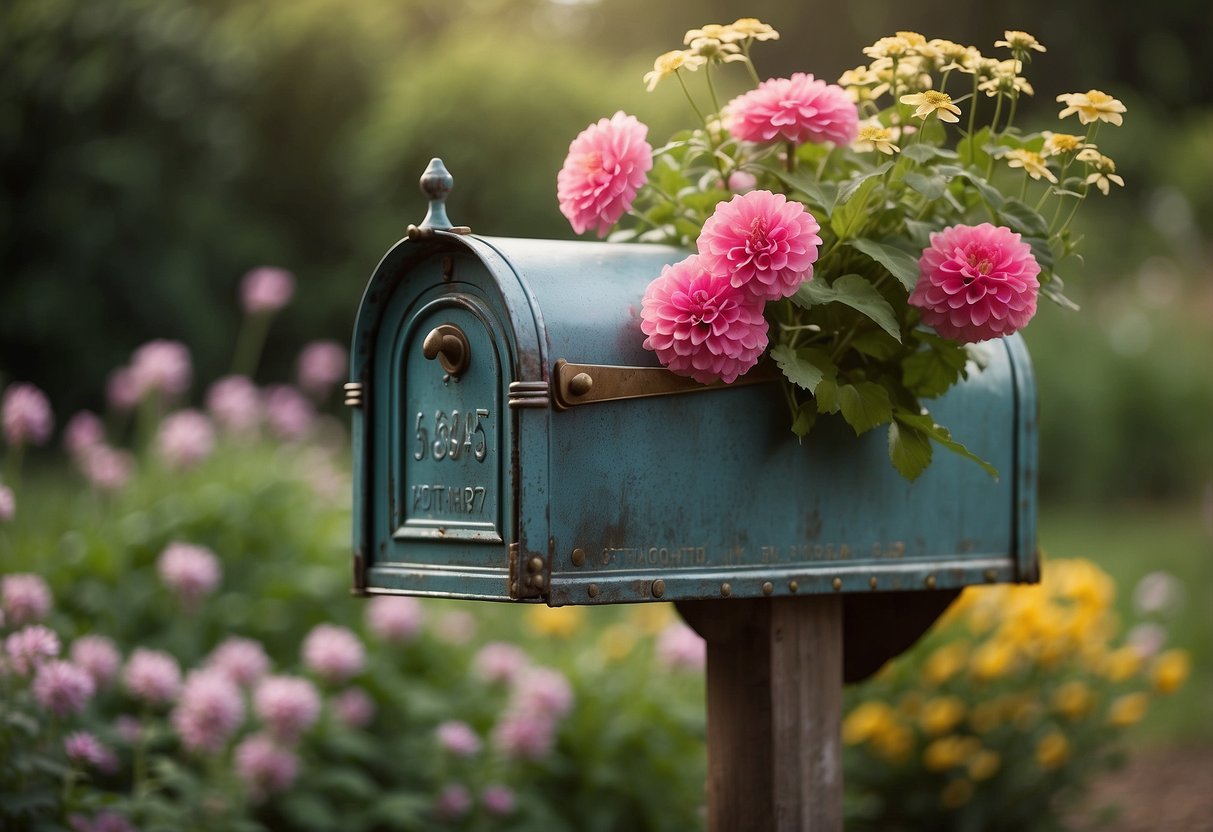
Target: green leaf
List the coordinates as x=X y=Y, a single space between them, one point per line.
x=876 y=344
x=926 y=424
x=923 y=153
x=847 y=211
x=931 y=371
x=805 y=367
x=806 y=417
x=853 y=185
x=1024 y=219
x=901 y=265
x=909 y=449
x=931 y=187
x=822 y=194
x=865 y=405
x=855 y=291
x=827 y=396
x=991 y=194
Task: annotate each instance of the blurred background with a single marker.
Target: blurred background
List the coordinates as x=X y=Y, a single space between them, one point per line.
x=154 y=151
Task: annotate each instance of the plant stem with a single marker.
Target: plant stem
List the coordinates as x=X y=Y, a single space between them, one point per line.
x=682 y=82
x=249 y=343
x=790 y=160
x=972 y=123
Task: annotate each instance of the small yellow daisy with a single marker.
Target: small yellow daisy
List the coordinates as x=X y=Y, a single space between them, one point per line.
x=1093 y=105
x=1020 y=41
x=669 y=63
x=933 y=101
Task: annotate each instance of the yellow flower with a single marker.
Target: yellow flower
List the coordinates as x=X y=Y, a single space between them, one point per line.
x=874 y=137
x=652 y=618
x=943 y=754
x=933 y=101
x=1073 y=700
x=1105 y=170
x=671 y=62
x=1092 y=105
x=557 y=622
x=865 y=721
x=894 y=743
x=984 y=764
x=753 y=28
x=941 y=715
x=912 y=39
x=714 y=31
x=1032 y=163
x=1059 y=143
x=1128 y=710
x=991 y=660
x=1171 y=670
x=716 y=50
x=968 y=59
x=1019 y=41
x=945 y=662
x=1004 y=78
x=1122 y=664
x=1052 y=750
x=888 y=48
x=956 y=794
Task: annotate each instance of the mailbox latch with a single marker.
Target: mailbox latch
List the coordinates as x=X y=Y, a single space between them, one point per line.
x=578 y=384
x=450 y=346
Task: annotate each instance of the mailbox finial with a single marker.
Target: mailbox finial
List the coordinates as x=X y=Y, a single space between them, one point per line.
x=436 y=183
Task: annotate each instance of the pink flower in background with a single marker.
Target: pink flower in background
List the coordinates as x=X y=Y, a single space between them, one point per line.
x=84 y=749
x=208 y=712
x=62 y=688
x=84 y=432
x=190 y=572
x=290 y=414
x=30 y=647
x=185 y=439
x=742 y=181
x=1158 y=592
x=524 y=735
x=265 y=766
x=163 y=367
x=798 y=109
x=453 y=802
x=99 y=656
x=26 y=597
x=103 y=821
x=353 y=708
x=235 y=404
x=287 y=705
x=545 y=690
x=1147 y=638
x=701 y=325
x=121 y=390
x=333 y=653
x=129 y=729
x=152 y=676
x=606 y=165
x=321 y=365
x=457 y=628
x=498 y=800
x=242 y=660
x=976 y=283
x=458 y=738
x=763 y=242
x=26 y=415
x=8 y=503
x=500 y=661
x=681 y=648
x=266 y=289
x=393 y=618
x=106 y=468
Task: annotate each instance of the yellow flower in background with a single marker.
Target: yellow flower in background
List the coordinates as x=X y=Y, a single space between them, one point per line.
x=1059 y=143
x=651 y=619
x=945 y=662
x=1052 y=751
x=933 y=101
x=616 y=642
x=714 y=31
x=1093 y=105
x=1032 y=163
x=1004 y=78
x=1105 y=170
x=1128 y=710
x=949 y=752
x=956 y=794
x=669 y=63
x=1122 y=664
x=1019 y=41
x=992 y=660
x=894 y=743
x=874 y=137
x=865 y=721
x=893 y=47
x=1171 y=670
x=716 y=50
x=1073 y=700
x=941 y=715
x=984 y=764
x=555 y=622
x=751 y=27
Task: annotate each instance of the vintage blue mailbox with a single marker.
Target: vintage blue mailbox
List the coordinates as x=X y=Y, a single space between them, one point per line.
x=514 y=441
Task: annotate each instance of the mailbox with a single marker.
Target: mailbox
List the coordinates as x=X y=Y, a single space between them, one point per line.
x=513 y=441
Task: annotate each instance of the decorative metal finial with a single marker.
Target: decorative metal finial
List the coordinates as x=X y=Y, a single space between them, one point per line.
x=436 y=183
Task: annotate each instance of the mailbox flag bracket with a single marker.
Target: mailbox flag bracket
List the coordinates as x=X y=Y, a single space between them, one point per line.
x=580 y=384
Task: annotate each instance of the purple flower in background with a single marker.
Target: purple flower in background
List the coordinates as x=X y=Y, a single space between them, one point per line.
x=287 y=705
x=290 y=414
x=30 y=646
x=161 y=367
x=128 y=728
x=524 y=734
x=681 y=648
x=85 y=750
x=393 y=618
x=243 y=660
x=62 y=688
x=353 y=708
x=266 y=289
x=458 y=738
x=26 y=415
x=190 y=572
x=321 y=364
x=8 y=503
x=103 y=821
x=265 y=766
x=84 y=431
x=544 y=690
x=152 y=676
x=235 y=404
x=498 y=800
x=208 y=712
x=26 y=597
x=500 y=661
x=106 y=468
x=121 y=390
x=453 y=802
x=333 y=653
x=98 y=656
x=185 y=439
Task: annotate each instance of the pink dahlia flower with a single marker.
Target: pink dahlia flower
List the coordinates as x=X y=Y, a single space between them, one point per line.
x=266 y=289
x=190 y=572
x=62 y=688
x=266 y=766
x=681 y=648
x=321 y=364
x=458 y=738
x=85 y=750
x=353 y=708
x=798 y=109
x=976 y=283
x=99 y=656
x=235 y=404
x=26 y=597
x=208 y=712
x=607 y=163
x=762 y=242
x=453 y=802
x=161 y=366
x=185 y=439
x=393 y=618
x=333 y=653
x=500 y=661
x=152 y=676
x=700 y=324
x=243 y=660
x=498 y=800
x=26 y=415
x=287 y=705
x=30 y=647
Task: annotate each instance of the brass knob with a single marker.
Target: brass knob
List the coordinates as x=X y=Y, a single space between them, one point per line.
x=580 y=384
x=450 y=346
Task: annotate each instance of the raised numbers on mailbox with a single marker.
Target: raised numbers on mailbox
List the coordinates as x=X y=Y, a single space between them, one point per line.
x=454 y=436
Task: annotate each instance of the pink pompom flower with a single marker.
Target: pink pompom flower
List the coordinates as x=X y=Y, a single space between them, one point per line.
x=8 y=503
x=243 y=660
x=333 y=653
x=208 y=712
x=26 y=415
x=26 y=597
x=266 y=766
x=105 y=468
x=85 y=750
x=84 y=432
x=500 y=662
x=976 y=283
x=162 y=367
x=190 y=572
x=321 y=364
x=62 y=688
x=353 y=708
x=700 y=324
x=235 y=404
x=763 y=242
x=121 y=391
x=523 y=734
x=798 y=109
x=185 y=439
x=266 y=289
x=453 y=802
x=152 y=676
x=287 y=705
x=30 y=647
x=607 y=163
x=498 y=800
x=99 y=656
x=393 y=618
x=681 y=648
x=458 y=738
x=103 y=821
x=544 y=690
x=290 y=414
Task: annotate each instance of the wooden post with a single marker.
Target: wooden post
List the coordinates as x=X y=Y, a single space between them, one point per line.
x=774 y=712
